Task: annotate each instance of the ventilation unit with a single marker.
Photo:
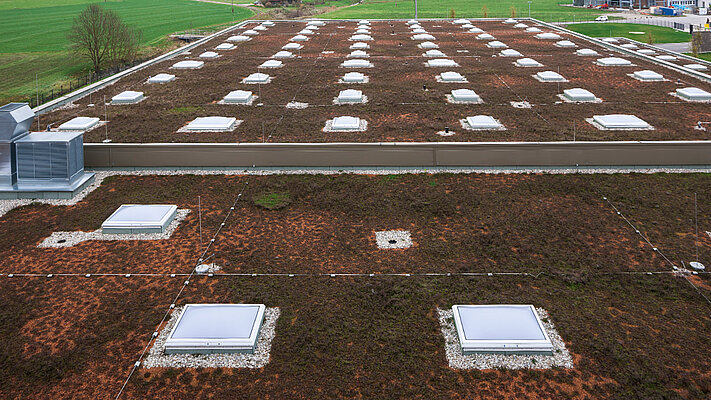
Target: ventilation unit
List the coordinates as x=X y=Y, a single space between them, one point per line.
x=40 y=164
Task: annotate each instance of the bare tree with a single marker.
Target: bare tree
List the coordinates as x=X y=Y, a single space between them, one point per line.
x=100 y=36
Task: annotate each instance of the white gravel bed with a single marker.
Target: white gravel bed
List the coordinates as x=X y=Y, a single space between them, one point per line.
x=397 y=239
x=157 y=358
x=296 y=105
x=69 y=239
x=560 y=359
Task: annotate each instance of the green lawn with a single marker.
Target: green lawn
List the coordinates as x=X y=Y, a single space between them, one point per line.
x=703 y=56
x=548 y=10
x=660 y=34
x=33 y=38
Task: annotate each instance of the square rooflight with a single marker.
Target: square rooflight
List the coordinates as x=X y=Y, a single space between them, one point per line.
x=271 y=64
x=468 y=26
x=353 y=77
x=209 y=54
x=428 y=45
x=548 y=36
x=696 y=67
x=520 y=26
x=500 y=328
x=495 y=44
x=550 y=76
x=630 y=46
x=127 y=97
x=412 y=22
x=510 y=53
x=510 y=21
x=579 y=95
x=485 y=36
x=161 y=78
x=188 y=64
x=250 y=32
x=260 y=28
x=359 y=46
x=620 y=121
x=527 y=62
x=216 y=328
x=257 y=78
x=238 y=97
x=666 y=57
x=646 y=52
x=418 y=31
x=307 y=32
x=613 y=62
x=317 y=23
x=693 y=94
x=441 y=62
x=461 y=21
x=78 y=124
x=465 y=95
x=565 y=44
x=451 y=76
x=346 y=123
x=475 y=30
x=586 y=52
x=434 y=53
x=239 y=38
x=292 y=46
x=363 y=22
x=610 y=40
x=533 y=29
x=299 y=38
x=648 y=76
x=283 y=54
x=358 y=54
x=212 y=124
x=268 y=23
x=350 y=96
x=361 y=38
x=312 y=27
x=225 y=46
x=139 y=218
x=357 y=63
x=423 y=37
x=483 y=122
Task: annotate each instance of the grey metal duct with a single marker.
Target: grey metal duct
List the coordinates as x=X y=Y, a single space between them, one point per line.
x=49 y=161
x=15 y=122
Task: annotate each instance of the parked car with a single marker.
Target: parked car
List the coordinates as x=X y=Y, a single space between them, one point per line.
x=602 y=18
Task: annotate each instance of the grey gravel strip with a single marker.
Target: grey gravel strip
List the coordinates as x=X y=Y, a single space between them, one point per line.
x=69 y=239
x=560 y=359
x=7 y=205
x=157 y=358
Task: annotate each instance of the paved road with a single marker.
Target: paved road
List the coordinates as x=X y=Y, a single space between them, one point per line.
x=677 y=47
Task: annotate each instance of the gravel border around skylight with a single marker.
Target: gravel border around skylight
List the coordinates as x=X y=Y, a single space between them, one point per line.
x=561 y=358
x=73 y=238
x=157 y=358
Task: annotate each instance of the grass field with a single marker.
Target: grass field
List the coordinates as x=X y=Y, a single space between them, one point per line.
x=33 y=36
x=548 y=10
x=659 y=34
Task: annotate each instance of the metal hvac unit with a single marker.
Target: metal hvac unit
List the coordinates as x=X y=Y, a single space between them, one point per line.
x=49 y=160
x=15 y=121
x=38 y=164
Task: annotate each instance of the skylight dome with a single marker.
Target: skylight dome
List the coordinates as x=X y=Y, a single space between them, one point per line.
x=127 y=97
x=139 y=218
